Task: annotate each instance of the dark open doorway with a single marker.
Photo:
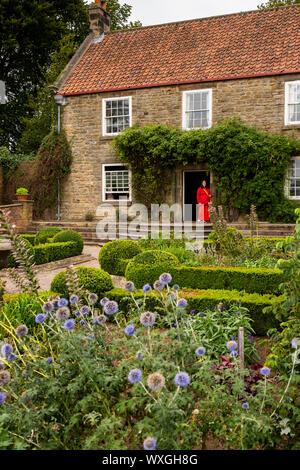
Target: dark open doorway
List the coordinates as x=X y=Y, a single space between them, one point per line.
x=192 y=181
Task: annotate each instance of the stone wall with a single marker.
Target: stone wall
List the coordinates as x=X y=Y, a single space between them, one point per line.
x=258 y=101
x=20 y=214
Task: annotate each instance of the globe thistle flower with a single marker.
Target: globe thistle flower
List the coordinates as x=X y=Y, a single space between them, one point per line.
x=129 y=330
x=111 y=307
x=100 y=319
x=129 y=286
x=4 y=377
x=62 y=313
x=295 y=343
x=6 y=349
x=231 y=345
x=69 y=325
x=40 y=318
x=233 y=354
x=245 y=405
x=200 y=351
x=2 y=398
x=74 y=299
x=49 y=360
x=265 y=371
x=158 y=285
x=147 y=288
x=85 y=310
x=202 y=315
x=139 y=356
x=134 y=376
x=11 y=357
x=172 y=295
x=82 y=322
x=147 y=319
x=176 y=287
x=104 y=301
x=181 y=303
x=90 y=337
x=77 y=314
x=48 y=307
x=149 y=443
x=156 y=381
x=165 y=278
x=55 y=304
x=182 y=379
x=62 y=302
x=21 y=331
x=92 y=298
x=238 y=312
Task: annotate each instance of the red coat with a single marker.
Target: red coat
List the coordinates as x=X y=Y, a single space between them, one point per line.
x=203 y=196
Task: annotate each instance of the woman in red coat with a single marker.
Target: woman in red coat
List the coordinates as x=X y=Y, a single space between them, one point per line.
x=203 y=199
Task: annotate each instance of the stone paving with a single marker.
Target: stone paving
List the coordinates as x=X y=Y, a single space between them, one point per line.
x=46 y=272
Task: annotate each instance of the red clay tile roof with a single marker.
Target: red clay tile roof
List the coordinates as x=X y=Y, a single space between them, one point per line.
x=257 y=43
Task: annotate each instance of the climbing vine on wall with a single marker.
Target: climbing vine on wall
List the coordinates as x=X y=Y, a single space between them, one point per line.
x=249 y=166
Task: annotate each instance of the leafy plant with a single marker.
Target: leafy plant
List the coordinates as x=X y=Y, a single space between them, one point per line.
x=22 y=191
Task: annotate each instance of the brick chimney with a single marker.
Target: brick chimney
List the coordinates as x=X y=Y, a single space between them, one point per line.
x=99 y=18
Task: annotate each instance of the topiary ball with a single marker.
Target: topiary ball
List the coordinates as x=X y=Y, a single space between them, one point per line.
x=44 y=234
x=114 y=256
x=70 y=236
x=146 y=267
x=94 y=280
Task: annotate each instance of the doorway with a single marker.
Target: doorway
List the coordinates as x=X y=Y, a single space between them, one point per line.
x=191 y=182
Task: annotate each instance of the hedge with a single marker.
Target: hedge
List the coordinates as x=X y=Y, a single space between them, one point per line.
x=260 y=280
x=45 y=233
x=201 y=300
x=94 y=280
x=149 y=265
x=29 y=238
x=54 y=252
x=70 y=236
x=115 y=255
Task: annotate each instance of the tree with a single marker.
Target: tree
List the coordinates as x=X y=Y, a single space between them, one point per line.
x=120 y=15
x=277 y=3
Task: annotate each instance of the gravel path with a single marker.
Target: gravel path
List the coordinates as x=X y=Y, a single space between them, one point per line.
x=45 y=275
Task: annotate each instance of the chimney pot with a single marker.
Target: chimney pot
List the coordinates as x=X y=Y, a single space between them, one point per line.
x=99 y=18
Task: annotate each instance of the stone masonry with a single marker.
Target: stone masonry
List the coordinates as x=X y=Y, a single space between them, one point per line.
x=258 y=101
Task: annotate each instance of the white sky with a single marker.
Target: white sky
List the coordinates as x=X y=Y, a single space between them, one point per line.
x=151 y=12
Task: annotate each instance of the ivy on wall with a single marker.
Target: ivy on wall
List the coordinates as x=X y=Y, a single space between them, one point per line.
x=249 y=165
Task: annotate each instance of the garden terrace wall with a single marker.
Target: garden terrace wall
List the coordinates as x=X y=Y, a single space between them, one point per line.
x=207 y=300
x=20 y=214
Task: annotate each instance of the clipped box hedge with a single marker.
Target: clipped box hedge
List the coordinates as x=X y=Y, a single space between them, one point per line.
x=201 y=300
x=54 y=251
x=115 y=255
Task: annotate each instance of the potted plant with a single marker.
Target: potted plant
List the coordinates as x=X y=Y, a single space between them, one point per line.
x=22 y=194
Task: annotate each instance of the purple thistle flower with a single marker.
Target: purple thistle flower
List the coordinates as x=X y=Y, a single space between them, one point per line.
x=135 y=376
x=48 y=307
x=158 y=285
x=21 y=331
x=104 y=301
x=139 y=356
x=182 y=379
x=165 y=278
x=49 y=360
x=11 y=357
x=62 y=313
x=147 y=319
x=74 y=299
x=2 y=398
x=85 y=310
x=202 y=315
x=147 y=288
x=90 y=337
x=77 y=313
x=200 y=351
x=231 y=345
x=176 y=287
x=238 y=312
x=82 y=322
x=181 y=303
x=245 y=405
x=6 y=349
x=265 y=371
x=92 y=298
x=150 y=443
x=111 y=307
x=295 y=343
x=69 y=325
x=100 y=320
x=40 y=318
x=129 y=330
x=129 y=286
x=62 y=302
x=233 y=354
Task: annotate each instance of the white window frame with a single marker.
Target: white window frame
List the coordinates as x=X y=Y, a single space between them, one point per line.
x=287 y=185
x=287 y=122
x=184 y=103
x=104 y=183
x=104 y=101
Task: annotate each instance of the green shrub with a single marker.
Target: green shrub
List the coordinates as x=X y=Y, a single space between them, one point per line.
x=11 y=262
x=45 y=233
x=29 y=238
x=148 y=266
x=207 y=299
x=162 y=242
x=54 y=251
x=70 y=236
x=114 y=256
x=92 y=279
x=260 y=280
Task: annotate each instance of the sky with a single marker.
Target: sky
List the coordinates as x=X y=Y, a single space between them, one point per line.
x=151 y=12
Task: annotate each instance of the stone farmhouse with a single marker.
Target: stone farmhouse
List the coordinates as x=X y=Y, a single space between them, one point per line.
x=187 y=74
